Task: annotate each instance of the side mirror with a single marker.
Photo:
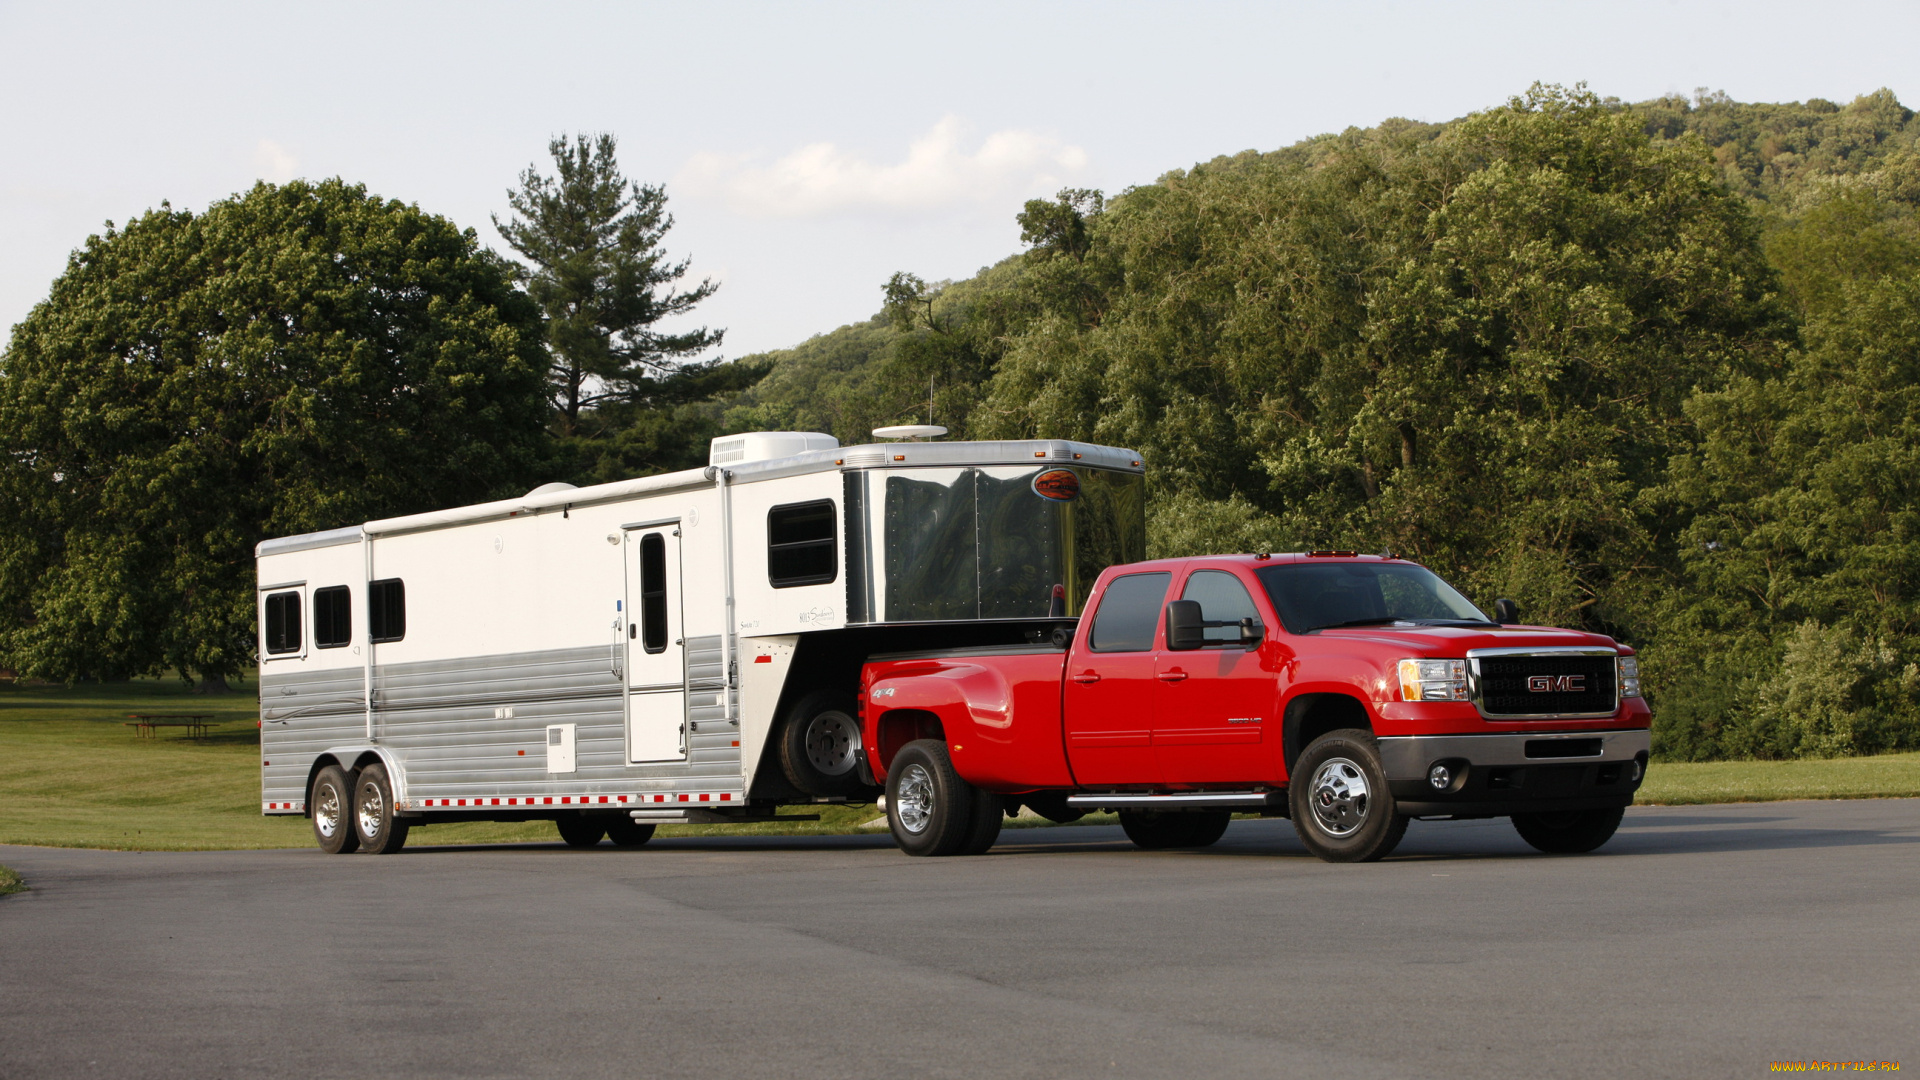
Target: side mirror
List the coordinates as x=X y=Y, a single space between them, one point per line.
x=1251 y=633
x=1186 y=625
x=1506 y=612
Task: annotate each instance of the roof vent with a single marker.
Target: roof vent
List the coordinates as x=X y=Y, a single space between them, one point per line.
x=766 y=445
x=548 y=489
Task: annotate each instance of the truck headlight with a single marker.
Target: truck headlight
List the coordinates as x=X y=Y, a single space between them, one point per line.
x=1433 y=680
x=1627 y=668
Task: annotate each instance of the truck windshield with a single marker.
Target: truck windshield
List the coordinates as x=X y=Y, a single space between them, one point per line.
x=1319 y=596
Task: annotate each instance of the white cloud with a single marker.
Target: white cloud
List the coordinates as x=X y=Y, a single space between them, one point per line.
x=275 y=162
x=939 y=172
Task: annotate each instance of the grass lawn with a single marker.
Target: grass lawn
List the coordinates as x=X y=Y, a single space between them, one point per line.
x=71 y=775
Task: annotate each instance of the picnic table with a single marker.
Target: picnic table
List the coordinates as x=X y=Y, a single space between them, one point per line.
x=144 y=723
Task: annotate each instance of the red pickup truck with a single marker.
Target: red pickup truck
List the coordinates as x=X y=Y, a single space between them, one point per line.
x=1348 y=692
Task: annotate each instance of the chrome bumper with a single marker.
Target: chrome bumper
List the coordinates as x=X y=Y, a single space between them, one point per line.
x=1406 y=757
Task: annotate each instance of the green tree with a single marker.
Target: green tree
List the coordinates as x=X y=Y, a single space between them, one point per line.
x=601 y=277
x=296 y=358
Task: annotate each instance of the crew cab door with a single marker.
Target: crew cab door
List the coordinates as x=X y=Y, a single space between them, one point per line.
x=1213 y=706
x=1108 y=697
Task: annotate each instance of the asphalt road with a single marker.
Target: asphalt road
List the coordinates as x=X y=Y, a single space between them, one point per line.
x=1703 y=941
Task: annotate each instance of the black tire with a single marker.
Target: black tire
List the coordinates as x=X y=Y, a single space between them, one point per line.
x=989 y=813
x=1158 y=830
x=820 y=744
x=930 y=810
x=1569 y=832
x=1338 y=798
x=378 y=826
x=330 y=805
x=626 y=832
x=581 y=830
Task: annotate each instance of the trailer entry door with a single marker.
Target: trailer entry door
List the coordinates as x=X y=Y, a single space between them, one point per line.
x=656 y=647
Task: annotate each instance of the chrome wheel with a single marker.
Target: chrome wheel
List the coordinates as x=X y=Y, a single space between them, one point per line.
x=326 y=810
x=1340 y=797
x=913 y=799
x=372 y=810
x=831 y=739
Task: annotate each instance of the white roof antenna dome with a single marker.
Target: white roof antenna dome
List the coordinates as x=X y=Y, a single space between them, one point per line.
x=909 y=431
x=548 y=489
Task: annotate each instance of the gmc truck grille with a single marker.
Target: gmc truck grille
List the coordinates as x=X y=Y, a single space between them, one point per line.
x=1546 y=685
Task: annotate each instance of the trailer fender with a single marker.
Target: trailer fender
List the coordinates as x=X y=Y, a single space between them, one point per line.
x=356 y=756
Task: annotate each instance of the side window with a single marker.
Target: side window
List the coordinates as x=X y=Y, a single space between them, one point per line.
x=332 y=617
x=653 y=593
x=386 y=610
x=1221 y=597
x=1129 y=612
x=800 y=544
x=283 y=622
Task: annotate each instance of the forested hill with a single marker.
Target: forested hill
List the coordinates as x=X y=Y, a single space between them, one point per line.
x=1780 y=156
x=1652 y=369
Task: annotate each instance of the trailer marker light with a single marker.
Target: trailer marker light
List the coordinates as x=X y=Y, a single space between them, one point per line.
x=763 y=659
x=736 y=742
x=1039 y=453
x=899 y=457
x=522 y=753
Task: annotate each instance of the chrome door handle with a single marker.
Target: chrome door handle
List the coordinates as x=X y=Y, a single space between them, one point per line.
x=1171 y=676
x=1087 y=677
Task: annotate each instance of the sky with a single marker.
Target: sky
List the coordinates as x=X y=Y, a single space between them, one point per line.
x=810 y=150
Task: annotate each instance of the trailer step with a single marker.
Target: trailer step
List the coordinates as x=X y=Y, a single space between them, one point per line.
x=1186 y=800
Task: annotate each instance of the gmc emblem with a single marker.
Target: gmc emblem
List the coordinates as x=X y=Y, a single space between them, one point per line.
x=1557 y=684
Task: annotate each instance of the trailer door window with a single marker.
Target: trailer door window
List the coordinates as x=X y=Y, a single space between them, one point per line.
x=283 y=622
x=386 y=610
x=1129 y=611
x=800 y=544
x=332 y=617
x=653 y=592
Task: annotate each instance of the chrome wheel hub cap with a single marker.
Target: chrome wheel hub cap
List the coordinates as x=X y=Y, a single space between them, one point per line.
x=832 y=739
x=373 y=810
x=1340 y=797
x=913 y=799
x=326 y=810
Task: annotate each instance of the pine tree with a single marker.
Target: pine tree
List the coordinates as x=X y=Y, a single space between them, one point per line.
x=599 y=273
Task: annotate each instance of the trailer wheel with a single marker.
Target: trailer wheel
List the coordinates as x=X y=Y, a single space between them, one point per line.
x=989 y=813
x=330 y=802
x=1569 y=832
x=1158 y=830
x=820 y=744
x=379 y=830
x=580 y=830
x=626 y=832
x=1338 y=798
x=930 y=810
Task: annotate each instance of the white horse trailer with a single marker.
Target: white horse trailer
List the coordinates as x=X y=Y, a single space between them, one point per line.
x=684 y=647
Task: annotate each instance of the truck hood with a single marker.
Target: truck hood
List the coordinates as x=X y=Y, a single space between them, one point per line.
x=1454 y=641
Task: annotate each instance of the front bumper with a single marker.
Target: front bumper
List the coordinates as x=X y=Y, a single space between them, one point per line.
x=1515 y=772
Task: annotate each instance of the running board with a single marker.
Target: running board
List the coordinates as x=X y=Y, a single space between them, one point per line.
x=1194 y=800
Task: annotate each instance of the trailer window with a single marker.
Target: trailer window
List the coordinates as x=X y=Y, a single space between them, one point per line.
x=332 y=617
x=1129 y=611
x=653 y=593
x=386 y=610
x=800 y=544
x=283 y=622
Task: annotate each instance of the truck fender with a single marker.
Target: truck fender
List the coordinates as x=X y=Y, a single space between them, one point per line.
x=1314 y=709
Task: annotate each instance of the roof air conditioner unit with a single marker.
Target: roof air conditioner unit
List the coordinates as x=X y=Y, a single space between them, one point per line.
x=766 y=445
